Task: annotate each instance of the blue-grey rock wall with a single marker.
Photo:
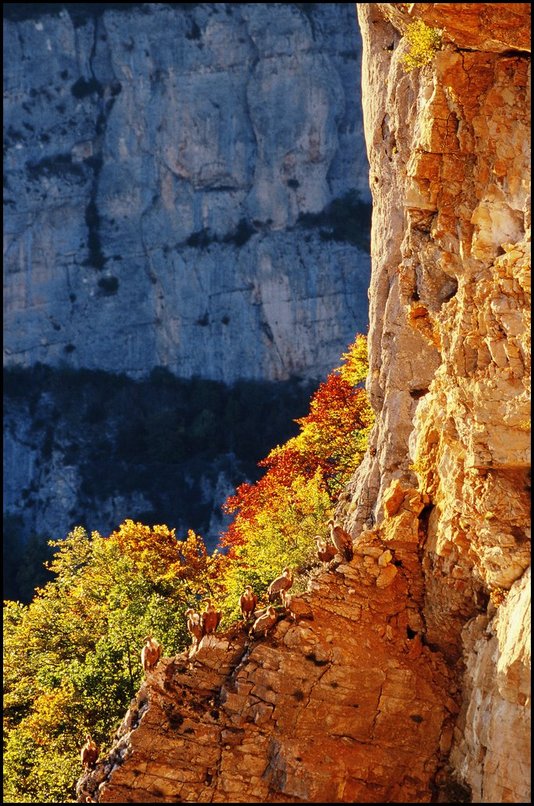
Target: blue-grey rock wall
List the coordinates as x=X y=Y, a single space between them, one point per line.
x=185 y=186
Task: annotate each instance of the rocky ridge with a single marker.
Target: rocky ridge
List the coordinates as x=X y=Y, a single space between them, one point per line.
x=341 y=702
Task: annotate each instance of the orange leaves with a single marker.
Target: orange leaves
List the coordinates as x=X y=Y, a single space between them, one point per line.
x=329 y=447
x=195 y=563
x=161 y=557
x=329 y=440
x=136 y=539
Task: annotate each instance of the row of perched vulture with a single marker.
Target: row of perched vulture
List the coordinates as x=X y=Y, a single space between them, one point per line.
x=206 y=623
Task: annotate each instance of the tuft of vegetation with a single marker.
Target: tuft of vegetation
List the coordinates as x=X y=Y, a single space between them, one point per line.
x=424 y=42
x=242 y=233
x=202 y=238
x=84 y=87
x=194 y=31
x=108 y=285
x=59 y=165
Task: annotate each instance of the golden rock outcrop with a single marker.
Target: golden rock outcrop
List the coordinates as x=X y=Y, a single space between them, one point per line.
x=344 y=703
x=449 y=149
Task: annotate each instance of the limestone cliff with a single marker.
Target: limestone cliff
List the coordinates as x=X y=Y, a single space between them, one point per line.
x=449 y=147
x=402 y=676
x=177 y=181
x=186 y=187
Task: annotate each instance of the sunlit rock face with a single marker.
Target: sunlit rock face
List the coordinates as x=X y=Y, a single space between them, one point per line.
x=170 y=172
x=492 y=736
x=341 y=702
x=449 y=148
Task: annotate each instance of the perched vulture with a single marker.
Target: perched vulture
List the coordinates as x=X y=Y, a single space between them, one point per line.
x=264 y=622
x=89 y=753
x=325 y=551
x=210 y=618
x=341 y=540
x=194 y=625
x=248 y=602
x=150 y=653
x=280 y=585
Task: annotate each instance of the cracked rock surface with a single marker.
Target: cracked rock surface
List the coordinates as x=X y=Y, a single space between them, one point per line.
x=450 y=350
x=169 y=172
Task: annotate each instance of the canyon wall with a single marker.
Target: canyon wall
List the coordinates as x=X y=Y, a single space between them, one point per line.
x=449 y=147
x=404 y=675
x=185 y=186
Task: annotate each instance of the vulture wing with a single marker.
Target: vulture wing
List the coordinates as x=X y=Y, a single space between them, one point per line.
x=276 y=585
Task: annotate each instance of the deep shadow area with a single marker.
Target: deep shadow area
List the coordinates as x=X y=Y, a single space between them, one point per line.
x=165 y=439
x=347 y=218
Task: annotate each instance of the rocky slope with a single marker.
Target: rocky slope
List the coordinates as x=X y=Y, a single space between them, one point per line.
x=173 y=176
x=342 y=702
x=427 y=630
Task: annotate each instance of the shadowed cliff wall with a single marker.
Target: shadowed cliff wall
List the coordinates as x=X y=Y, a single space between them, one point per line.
x=173 y=183
x=185 y=187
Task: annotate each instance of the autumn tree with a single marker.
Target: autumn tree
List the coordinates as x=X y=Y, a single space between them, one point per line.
x=276 y=519
x=72 y=657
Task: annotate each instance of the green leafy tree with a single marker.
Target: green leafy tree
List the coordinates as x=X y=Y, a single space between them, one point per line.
x=277 y=518
x=72 y=657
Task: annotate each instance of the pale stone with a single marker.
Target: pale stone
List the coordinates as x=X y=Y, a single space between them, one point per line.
x=386 y=576
x=385 y=558
x=457 y=124
x=492 y=748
